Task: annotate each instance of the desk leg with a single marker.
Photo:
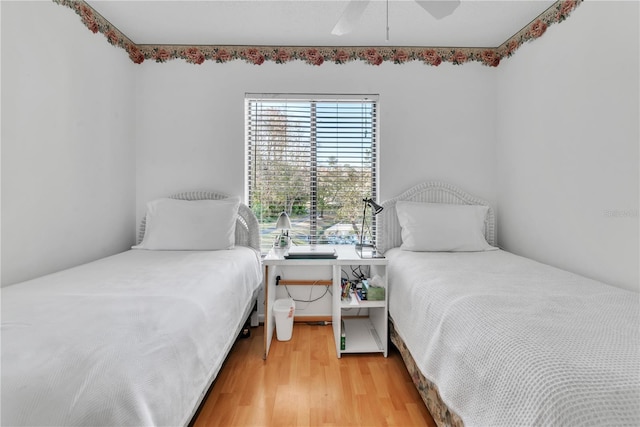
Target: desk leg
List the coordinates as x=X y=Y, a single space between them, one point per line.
x=269 y=300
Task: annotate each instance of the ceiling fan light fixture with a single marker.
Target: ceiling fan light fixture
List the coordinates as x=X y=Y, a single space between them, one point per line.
x=355 y=8
x=439 y=8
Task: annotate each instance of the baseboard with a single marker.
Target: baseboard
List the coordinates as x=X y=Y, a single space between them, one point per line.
x=311 y=319
x=301 y=319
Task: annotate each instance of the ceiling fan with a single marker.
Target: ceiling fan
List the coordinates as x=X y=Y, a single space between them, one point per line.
x=437 y=8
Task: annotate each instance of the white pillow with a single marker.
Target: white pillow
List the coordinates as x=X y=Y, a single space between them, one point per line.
x=437 y=227
x=190 y=224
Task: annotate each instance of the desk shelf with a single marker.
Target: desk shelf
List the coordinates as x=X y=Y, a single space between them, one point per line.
x=366 y=332
x=361 y=336
x=364 y=304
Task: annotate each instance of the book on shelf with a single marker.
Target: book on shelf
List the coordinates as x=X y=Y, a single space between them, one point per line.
x=343 y=336
x=354 y=298
x=346 y=286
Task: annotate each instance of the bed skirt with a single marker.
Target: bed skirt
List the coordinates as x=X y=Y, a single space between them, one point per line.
x=441 y=414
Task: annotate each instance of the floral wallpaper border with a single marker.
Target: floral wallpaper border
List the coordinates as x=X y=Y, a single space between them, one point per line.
x=316 y=55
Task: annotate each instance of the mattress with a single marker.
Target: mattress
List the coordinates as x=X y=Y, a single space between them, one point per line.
x=509 y=341
x=132 y=339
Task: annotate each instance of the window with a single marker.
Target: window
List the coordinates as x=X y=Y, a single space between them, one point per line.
x=315 y=158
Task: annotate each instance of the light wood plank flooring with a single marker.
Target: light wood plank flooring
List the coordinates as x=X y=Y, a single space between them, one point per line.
x=303 y=383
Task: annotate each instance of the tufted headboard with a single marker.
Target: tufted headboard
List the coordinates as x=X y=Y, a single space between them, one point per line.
x=247 y=228
x=388 y=228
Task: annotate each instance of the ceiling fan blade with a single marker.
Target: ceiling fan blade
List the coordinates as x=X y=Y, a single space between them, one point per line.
x=439 y=8
x=349 y=17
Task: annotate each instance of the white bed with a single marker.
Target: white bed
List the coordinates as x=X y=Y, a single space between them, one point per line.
x=492 y=338
x=133 y=339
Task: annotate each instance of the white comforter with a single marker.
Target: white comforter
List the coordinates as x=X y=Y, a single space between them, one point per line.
x=509 y=341
x=133 y=339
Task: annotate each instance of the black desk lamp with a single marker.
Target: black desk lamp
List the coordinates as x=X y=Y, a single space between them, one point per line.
x=376 y=210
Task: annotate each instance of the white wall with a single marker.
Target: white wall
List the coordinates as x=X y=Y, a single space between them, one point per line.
x=435 y=123
x=68 y=181
x=567 y=153
x=559 y=120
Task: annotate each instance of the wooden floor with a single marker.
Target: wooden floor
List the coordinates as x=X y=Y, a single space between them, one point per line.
x=303 y=383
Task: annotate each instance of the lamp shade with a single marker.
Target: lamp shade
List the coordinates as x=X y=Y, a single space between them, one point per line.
x=376 y=207
x=284 y=223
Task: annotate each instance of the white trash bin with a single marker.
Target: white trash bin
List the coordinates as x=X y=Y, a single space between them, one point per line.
x=284 y=309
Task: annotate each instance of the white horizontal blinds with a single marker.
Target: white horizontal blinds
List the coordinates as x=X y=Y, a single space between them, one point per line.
x=314 y=158
x=278 y=144
x=346 y=135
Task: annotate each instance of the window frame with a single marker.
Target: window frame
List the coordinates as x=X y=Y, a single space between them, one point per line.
x=372 y=99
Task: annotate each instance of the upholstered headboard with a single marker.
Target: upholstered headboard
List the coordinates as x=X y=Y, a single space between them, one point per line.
x=388 y=227
x=247 y=228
